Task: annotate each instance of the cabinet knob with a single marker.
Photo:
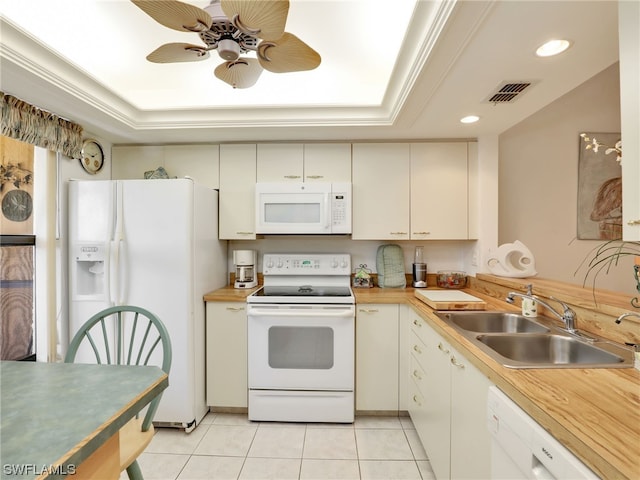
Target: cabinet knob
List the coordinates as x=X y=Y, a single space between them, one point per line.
x=441 y=348
x=292 y=176
x=416 y=374
x=633 y=222
x=315 y=177
x=235 y=309
x=244 y=233
x=417 y=323
x=368 y=310
x=417 y=349
x=421 y=233
x=416 y=400
x=397 y=233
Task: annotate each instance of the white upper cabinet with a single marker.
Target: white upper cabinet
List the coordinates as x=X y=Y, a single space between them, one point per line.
x=237 y=191
x=280 y=162
x=381 y=190
x=199 y=162
x=296 y=162
x=327 y=162
x=439 y=191
x=418 y=191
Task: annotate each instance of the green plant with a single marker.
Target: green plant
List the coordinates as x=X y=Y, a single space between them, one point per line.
x=606 y=256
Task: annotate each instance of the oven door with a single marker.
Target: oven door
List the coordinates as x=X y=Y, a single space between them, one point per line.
x=301 y=347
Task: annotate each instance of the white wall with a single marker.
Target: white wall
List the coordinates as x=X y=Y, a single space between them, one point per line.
x=538 y=181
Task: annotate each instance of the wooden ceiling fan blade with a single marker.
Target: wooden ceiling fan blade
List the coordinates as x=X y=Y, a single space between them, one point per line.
x=176 y=15
x=287 y=54
x=243 y=73
x=264 y=19
x=178 y=52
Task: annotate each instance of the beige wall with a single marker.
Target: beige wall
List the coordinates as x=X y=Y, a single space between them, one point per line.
x=538 y=180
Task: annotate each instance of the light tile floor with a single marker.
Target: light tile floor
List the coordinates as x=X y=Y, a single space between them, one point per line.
x=228 y=446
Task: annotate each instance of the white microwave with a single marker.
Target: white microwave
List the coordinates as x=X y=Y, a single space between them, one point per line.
x=303 y=208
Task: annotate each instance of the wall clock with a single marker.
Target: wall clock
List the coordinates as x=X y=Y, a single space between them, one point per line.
x=92 y=158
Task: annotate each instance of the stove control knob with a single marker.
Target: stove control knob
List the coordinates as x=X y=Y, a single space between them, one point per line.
x=270 y=263
x=344 y=263
x=279 y=264
x=334 y=263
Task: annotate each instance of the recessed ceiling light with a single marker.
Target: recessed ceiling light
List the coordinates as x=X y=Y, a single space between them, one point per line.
x=552 y=47
x=470 y=119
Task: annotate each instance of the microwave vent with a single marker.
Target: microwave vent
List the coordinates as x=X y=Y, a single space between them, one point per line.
x=508 y=92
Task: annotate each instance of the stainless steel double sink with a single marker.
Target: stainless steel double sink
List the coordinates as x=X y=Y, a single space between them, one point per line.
x=517 y=341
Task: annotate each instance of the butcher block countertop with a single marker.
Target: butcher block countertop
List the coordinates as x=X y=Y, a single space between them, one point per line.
x=594 y=412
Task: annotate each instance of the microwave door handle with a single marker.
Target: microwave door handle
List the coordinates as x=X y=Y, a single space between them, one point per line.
x=327 y=211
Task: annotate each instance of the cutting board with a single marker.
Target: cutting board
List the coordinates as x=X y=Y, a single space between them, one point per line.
x=450 y=300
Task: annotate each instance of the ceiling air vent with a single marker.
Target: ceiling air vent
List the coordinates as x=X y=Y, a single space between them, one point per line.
x=508 y=92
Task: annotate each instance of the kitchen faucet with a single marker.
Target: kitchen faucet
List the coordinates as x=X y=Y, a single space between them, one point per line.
x=568 y=316
x=628 y=314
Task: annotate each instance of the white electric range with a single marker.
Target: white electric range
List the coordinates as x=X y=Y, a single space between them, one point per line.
x=301 y=340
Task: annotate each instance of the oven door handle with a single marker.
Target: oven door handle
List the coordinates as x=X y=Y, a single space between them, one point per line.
x=302 y=312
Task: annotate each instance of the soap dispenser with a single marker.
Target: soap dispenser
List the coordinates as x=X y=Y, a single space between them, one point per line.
x=529 y=306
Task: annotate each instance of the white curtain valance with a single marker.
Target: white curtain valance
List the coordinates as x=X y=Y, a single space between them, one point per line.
x=24 y=122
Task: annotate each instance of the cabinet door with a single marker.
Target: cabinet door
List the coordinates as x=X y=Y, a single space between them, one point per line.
x=404 y=357
x=130 y=162
x=327 y=162
x=436 y=433
x=381 y=191
x=377 y=357
x=470 y=437
x=280 y=162
x=200 y=162
x=237 y=192
x=226 y=341
x=439 y=191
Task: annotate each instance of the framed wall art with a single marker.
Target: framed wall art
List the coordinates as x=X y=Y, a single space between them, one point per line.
x=16 y=187
x=599 y=187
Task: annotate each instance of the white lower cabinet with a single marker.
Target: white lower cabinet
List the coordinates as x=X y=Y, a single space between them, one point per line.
x=226 y=354
x=447 y=404
x=377 y=357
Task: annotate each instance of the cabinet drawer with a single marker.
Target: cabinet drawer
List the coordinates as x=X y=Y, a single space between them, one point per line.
x=416 y=407
x=418 y=375
x=418 y=350
x=420 y=328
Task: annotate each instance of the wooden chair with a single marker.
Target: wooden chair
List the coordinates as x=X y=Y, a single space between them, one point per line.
x=126 y=335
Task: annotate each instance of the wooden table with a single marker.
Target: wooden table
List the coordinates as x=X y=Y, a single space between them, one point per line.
x=60 y=419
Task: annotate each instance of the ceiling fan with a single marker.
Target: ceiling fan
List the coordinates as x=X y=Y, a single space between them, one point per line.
x=233 y=27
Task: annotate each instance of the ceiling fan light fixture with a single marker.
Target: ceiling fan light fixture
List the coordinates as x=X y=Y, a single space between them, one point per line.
x=228 y=49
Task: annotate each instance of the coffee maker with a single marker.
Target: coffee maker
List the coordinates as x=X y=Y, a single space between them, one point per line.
x=419 y=269
x=245 y=262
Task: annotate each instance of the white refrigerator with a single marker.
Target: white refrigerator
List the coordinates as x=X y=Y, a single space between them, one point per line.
x=153 y=244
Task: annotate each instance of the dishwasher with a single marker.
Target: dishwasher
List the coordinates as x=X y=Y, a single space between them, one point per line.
x=522 y=449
